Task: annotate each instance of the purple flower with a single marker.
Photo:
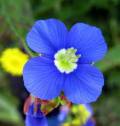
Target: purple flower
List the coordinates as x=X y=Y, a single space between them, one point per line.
x=65 y=62
x=35 y=118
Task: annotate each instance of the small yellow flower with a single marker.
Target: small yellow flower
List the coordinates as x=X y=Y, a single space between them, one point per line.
x=82 y=113
x=76 y=122
x=74 y=109
x=13 y=61
x=85 y=114
x=66 y=124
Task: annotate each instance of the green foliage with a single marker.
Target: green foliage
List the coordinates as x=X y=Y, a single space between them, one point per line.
x=8 y=110
x=108 y=110
x=111 y=60
x=114 y=78
x=18 y=16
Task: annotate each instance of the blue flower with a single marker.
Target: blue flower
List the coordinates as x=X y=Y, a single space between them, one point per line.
x=64 y=110
x=90 y=122
x=65 y=61
x=35 y=118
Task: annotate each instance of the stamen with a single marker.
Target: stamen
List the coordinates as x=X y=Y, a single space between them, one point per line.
x=66 y=60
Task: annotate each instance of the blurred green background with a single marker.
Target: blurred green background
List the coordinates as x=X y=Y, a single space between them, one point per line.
x=17 y=16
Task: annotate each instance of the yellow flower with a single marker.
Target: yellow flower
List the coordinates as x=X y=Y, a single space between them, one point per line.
x=13 y=61
x=74 y=109
x=76 y=122
x=66 y=124
x=82 y=113
x=85 y=114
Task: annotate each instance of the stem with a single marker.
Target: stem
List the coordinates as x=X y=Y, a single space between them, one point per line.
x=14 y=28
x=20 y=37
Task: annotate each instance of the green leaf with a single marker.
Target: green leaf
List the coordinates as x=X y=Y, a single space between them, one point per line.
x=111 y=60
x=8 y=111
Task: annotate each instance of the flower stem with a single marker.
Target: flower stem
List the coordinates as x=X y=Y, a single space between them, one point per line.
x=20 y=37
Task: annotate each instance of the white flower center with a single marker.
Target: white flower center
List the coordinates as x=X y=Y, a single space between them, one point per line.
x=66 y=60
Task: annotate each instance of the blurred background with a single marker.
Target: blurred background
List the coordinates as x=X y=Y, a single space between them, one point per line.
x=16 y=18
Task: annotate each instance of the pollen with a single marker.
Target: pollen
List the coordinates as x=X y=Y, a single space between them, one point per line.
x=66 y=60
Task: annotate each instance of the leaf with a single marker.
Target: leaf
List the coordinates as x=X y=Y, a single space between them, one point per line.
x=111 y=60
x=8 y=111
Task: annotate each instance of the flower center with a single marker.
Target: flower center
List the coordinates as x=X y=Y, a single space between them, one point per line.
x=66 y=60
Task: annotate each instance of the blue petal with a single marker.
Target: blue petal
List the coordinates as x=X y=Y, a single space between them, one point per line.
x=36 y=113
x=88 y=40
x=35 y=121
x=89 y=108
x=90 y=122
x=42 y=79
x=84 y=85
x=47 y=36
x=35 y=118
x=64 y=110
x=31 y=110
